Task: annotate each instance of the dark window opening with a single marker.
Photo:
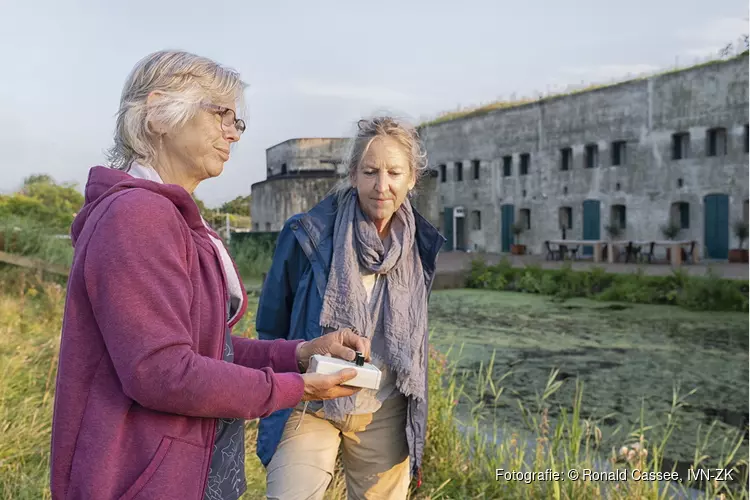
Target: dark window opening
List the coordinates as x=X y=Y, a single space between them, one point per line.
x=618 y=153
x=565 y=189
x=283 y=168
x=617 y=186
x=459 y=171
x=565 y=216
x=566 y=158
x=680 y=182
x=679 y=214
x=716 y=142
x=526 y=218
x=680 y=145
x=525 y=161
x=476 y=220
x=443 y=173
x=475 y=169
x=523 y=193
x=747 y=138
x=268 y=226
x=592 y=156
x=507 y=166
x=617 y=216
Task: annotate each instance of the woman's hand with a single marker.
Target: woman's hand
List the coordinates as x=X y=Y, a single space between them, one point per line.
x=341 y=344
x=320 y=386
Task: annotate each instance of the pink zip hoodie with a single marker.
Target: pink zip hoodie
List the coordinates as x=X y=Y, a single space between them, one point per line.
x=140 y=379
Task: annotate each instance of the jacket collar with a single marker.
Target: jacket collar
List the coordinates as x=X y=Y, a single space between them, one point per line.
x=320 y=220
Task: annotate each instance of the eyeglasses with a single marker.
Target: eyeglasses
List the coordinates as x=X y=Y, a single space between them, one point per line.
x=228 y=117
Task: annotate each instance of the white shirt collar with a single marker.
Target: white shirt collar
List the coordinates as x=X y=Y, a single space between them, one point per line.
x=143 y=172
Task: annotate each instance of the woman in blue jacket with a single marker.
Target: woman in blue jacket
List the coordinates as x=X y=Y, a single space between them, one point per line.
x=362 y=259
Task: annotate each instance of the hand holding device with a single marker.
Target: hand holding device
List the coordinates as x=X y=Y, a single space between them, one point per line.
x=320 y=386
x=342 y=344
x=367 y=375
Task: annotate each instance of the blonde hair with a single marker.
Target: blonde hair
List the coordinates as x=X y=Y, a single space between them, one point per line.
x=382 y=126
x=185 y=80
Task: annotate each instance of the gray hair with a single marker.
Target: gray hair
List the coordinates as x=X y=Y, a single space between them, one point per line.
x=185 y=80
x=382 y=126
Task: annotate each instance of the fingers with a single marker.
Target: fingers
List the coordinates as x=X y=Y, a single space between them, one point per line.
x=356 y=342
x=320 y=387
x=344 y=375
x=342 y=352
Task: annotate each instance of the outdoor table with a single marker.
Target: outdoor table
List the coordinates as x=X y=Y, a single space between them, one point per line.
x=674 y=246
x=597 y=244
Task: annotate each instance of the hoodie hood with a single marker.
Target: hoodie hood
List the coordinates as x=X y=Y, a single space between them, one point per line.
x=103 y=182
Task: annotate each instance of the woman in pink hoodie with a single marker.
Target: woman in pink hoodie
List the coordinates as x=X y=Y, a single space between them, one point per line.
x=152 y=388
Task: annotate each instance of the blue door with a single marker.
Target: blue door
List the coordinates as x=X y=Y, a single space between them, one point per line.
x=506 y=227
x=448 y=228
x=591 y=223
x=716 y=226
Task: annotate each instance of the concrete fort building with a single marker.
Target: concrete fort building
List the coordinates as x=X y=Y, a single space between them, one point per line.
x=301 y=172
x=638 y=155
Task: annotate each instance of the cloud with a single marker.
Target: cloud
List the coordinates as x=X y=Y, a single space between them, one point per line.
x=720 y=31
x=351 y=91
x=708 y=39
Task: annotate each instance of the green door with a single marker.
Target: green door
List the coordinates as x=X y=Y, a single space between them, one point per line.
x=716 y=226
x=506 y=228
x=591 y=223
x=448 y=228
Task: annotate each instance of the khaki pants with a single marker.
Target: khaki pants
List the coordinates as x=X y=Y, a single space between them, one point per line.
x=375 y=455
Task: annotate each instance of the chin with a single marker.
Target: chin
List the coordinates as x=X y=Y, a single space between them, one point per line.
x=380 y=215
x=215 y=170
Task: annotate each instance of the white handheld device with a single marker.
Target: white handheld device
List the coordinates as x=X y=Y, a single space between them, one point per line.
x=368 y=375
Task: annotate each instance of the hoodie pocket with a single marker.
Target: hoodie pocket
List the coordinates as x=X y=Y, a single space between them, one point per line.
x=148 y=473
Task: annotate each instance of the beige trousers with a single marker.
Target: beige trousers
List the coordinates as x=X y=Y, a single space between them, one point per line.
x=375 y=455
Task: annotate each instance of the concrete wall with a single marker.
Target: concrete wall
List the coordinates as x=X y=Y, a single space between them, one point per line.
x=426 y=198
x=316 y=154
x=275 y=200
x=644 y=113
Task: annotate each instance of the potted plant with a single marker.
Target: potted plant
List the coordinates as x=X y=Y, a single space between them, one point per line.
x=516 y=248
x=740 y=231
x=670 y=232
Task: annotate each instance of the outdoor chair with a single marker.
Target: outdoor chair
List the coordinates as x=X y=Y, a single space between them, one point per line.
x=551 y=254
x=687 y=256
x=573 y=251
x=650 y=255
x=632 y=252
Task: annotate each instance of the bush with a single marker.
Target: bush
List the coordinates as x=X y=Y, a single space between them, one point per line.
x=253 y=253
x=703 y=293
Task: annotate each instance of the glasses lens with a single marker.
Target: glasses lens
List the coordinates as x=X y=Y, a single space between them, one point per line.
x=227 y=119
x=240 y=126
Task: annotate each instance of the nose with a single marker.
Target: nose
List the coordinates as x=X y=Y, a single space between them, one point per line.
x=381 y=182
x=231 y=134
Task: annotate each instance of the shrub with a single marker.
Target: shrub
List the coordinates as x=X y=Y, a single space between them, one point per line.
x=706 y=293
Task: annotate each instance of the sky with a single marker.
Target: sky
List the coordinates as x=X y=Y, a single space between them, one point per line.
x=315 y=68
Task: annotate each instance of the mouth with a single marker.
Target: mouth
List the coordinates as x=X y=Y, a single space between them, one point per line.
x=224 y=153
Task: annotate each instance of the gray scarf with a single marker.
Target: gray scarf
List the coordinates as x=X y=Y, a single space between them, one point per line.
x=404 y=315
